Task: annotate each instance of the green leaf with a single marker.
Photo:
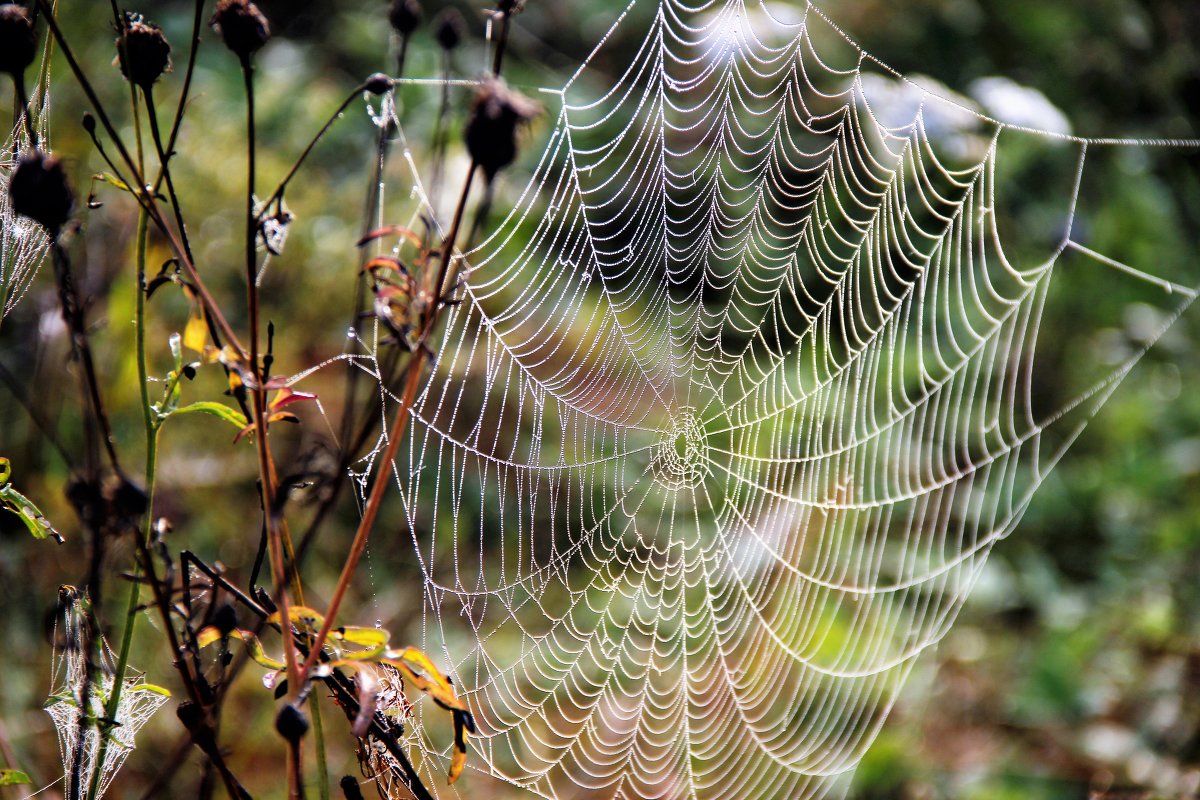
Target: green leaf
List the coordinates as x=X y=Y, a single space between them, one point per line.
x=234 y=417
x=112 y=180
x=13 y=777
x=151 y=688
x=12 y=500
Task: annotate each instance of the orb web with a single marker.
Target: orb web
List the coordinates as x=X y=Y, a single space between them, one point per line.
x=740 y=396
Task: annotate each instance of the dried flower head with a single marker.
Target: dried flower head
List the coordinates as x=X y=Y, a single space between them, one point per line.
x=242 y=26
x=39 y=190
x=18 y=45
x=143 y=52
x=379 y=84
x=496 y=115
x=448 y=28
x=405 y=16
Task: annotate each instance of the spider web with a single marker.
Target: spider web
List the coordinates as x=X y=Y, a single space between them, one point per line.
x=23 y=243
x=740 y=397
x=66 y=706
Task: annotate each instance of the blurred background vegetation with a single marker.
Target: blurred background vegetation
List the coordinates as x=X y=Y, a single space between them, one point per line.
x=1075 y=667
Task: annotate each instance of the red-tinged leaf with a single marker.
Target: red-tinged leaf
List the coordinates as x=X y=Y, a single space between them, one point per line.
x=389 y=230
x=385 y=262
x=286 y=396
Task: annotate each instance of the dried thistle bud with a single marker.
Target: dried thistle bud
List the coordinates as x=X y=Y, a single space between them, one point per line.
x=127 y=503
x=405 y=16
x=378 y=84
x=491 y=132
x=143 y=52
x=242 y=26
x=448 y=28
x=39 y=190
x=291 y=723
x=18 y=45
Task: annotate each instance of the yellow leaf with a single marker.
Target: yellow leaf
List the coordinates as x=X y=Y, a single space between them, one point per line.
x=363 y=637
x=457 y=762
x=212 y=634
x=195 y=334
x=303 y=616
x=416 y=668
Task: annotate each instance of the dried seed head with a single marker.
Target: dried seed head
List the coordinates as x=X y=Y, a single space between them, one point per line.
x=18 y=45
x=405 y=16
x=291 y=723
x=378 y=84
x=242 y=26
x=89 y=123
x=448 y=28
x=39 y=190
x=127 y=503
x=510 y=7
x=491 y=132
x=143 y=52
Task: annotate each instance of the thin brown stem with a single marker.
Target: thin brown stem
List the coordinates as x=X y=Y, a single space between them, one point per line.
x=27 y=112
x=72 y=310
x=197 y=21
x=165 y=171
x=416 y=369
x=277 y=195
x=266 y=468
x=501 y=41
x=140 y=191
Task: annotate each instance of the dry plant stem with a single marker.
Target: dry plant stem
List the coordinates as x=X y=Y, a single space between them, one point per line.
x=163 y=602
x=416 y=368
x=142 y=194
x=73 y=313
x=23 y=99
x=184 y=92
x=131 y=606
x=165 y=172
x=336 y=682
x=259 y=404
x=277 y=195
x=501 y=41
